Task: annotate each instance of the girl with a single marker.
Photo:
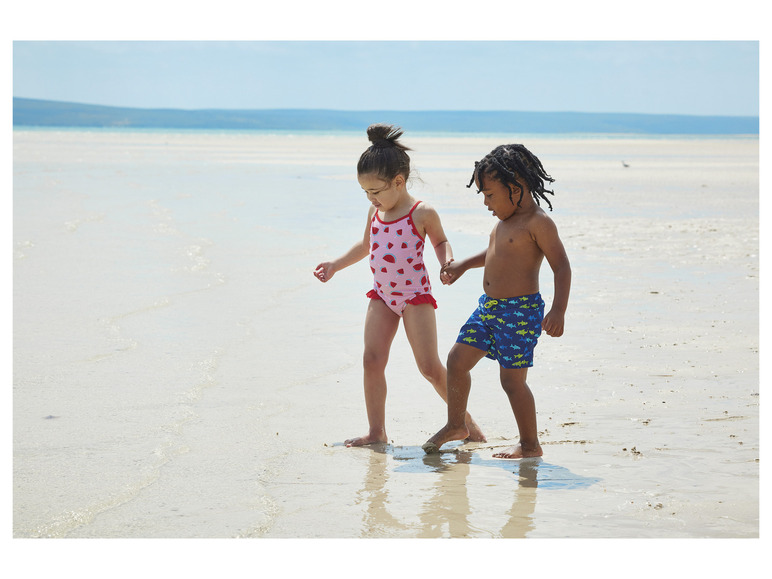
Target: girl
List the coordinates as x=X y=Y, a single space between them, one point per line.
x=397 y=227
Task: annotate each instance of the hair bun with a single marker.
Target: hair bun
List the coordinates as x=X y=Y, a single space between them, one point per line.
x=382 y=136
x=386 y=157
x=381 y=143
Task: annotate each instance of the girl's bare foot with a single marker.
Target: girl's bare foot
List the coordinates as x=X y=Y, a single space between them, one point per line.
x=520 y=451
x=364 y=440
x=446 y=434
x=475 y=434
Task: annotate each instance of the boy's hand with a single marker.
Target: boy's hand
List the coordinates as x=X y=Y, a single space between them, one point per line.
x=324 y=271
x=450 y=272
x=553 y=324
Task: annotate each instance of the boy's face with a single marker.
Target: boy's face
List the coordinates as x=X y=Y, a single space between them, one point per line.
x=382 y=194
x=496 y=197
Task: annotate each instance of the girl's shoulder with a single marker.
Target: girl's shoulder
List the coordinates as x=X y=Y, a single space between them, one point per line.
x=426 y=220
x=422 y=210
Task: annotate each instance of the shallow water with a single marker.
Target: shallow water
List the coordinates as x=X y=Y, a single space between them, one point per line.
x=178 y=371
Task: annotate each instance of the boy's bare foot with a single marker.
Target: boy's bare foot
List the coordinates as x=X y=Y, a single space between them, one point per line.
x=365 y=440
x=520 y=451
x=446 y=434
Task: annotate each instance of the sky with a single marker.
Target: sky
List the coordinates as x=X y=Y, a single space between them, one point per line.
x=660 y=77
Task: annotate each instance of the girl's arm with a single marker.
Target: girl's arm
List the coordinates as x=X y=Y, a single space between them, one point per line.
x=427 y=221
x=325 y=270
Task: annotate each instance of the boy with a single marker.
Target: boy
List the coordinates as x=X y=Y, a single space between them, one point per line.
x=510 y=315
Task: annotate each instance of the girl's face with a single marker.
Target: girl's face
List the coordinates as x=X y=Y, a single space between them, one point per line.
x=384 y=195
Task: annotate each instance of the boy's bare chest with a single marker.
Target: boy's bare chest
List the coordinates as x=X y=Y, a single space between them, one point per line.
x=512 y=237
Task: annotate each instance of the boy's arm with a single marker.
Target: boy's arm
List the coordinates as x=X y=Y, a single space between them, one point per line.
x=455 y=270
x=325 y=270
x=547 y=238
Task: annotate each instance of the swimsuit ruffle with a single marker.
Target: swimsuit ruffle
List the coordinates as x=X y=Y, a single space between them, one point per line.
x=419 y=299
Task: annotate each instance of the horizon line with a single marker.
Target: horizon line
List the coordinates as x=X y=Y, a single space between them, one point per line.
x=383 y=110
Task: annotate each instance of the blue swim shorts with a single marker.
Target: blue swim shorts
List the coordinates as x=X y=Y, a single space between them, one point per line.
x=507 y=329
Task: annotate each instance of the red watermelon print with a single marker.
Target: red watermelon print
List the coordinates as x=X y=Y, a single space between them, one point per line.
x=397 y=262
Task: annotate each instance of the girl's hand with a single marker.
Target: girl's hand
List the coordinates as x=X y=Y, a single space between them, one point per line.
x=324 y=271
x=450 y=272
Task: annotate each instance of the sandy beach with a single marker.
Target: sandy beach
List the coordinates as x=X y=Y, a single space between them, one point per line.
x=179 y=372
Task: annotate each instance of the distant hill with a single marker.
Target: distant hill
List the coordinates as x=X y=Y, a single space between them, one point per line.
x=43 y=113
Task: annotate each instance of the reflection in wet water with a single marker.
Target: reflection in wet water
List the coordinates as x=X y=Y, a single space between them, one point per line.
x=449 y=509
x=379 y=522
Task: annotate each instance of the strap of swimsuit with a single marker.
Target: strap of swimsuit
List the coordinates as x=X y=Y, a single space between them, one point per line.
x=410 y=213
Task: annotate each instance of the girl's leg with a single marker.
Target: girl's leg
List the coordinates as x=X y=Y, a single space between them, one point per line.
x=524 y=408
x=421 y=330
x=380 y=328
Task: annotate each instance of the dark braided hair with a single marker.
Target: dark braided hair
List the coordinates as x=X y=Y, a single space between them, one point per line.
x=508 y=162
x=386 y=157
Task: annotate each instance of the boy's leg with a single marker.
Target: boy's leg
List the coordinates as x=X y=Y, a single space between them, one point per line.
x=461 y=359
x=524 y=408
x=421 y=330
x=381 y=326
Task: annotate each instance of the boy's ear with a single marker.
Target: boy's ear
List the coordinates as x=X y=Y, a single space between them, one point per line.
x=523 y=183
x=515 y=192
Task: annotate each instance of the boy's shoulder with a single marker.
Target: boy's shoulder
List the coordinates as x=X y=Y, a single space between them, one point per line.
x=533 y=217
x=541 y=216
x=536 y=223
x=541 y=225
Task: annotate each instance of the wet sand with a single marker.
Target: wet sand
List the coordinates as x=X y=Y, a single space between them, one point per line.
x=179 y=372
